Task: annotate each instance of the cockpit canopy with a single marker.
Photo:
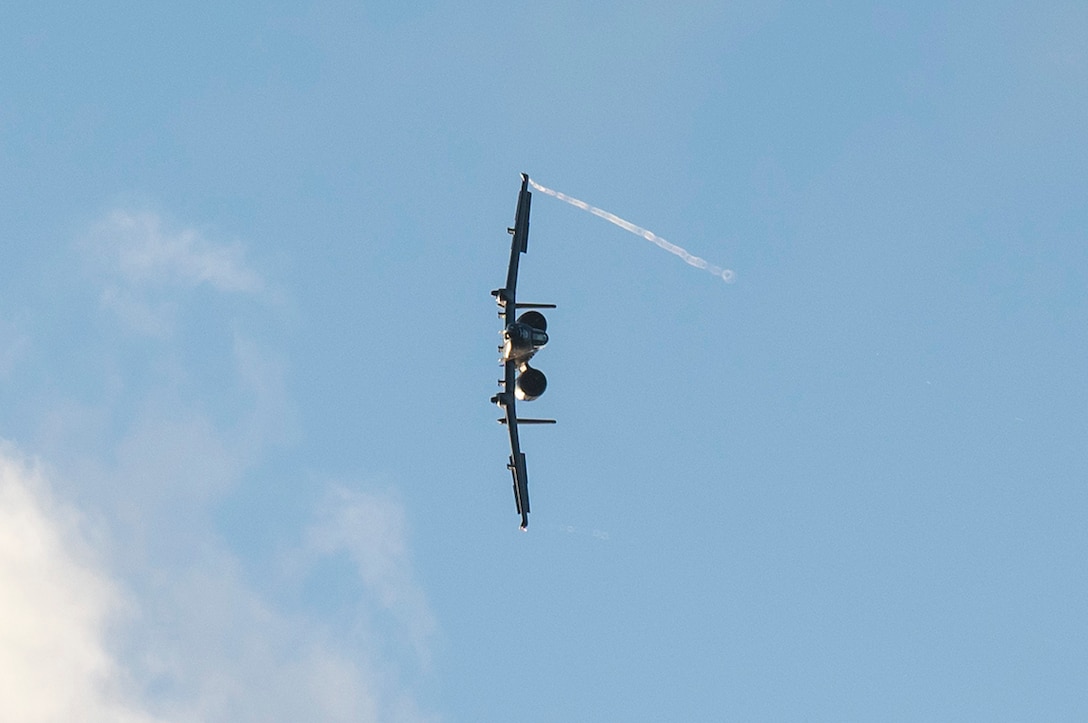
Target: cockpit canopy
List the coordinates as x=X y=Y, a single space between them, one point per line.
x=522 y=339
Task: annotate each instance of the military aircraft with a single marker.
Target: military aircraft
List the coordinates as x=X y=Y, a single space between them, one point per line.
x=522 y=338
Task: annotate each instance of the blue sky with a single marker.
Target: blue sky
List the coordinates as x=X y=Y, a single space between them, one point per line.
x=249 y=471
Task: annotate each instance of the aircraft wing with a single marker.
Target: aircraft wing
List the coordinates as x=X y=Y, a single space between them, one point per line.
x=507 y=299
x=516 y=465
x=519 y=244
x=506 y=296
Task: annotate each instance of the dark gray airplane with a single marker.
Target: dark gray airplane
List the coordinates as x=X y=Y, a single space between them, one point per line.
x=521 y=338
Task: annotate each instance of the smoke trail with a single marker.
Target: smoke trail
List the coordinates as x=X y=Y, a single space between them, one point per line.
x=725 y=274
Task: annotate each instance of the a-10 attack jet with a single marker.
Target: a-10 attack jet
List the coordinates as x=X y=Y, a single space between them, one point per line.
x=521 y=338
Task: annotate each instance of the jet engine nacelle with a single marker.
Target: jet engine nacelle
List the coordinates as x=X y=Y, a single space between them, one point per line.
x=530 y=384
x=534 y=319
x=538 y=326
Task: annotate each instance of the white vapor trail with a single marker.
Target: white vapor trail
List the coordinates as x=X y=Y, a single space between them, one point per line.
x=700 y=263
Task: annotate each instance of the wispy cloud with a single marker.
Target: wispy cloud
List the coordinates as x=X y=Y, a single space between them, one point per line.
x=13 y=346
x=142 y=264
x=159 y=615
x=146 y=253
x=214 y=649
x=370 y=528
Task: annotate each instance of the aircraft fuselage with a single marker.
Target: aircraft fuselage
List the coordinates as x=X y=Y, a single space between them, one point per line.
x=520 y=342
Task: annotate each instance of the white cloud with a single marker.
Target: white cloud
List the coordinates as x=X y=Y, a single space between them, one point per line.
x=190 y=640
x=55 y=608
